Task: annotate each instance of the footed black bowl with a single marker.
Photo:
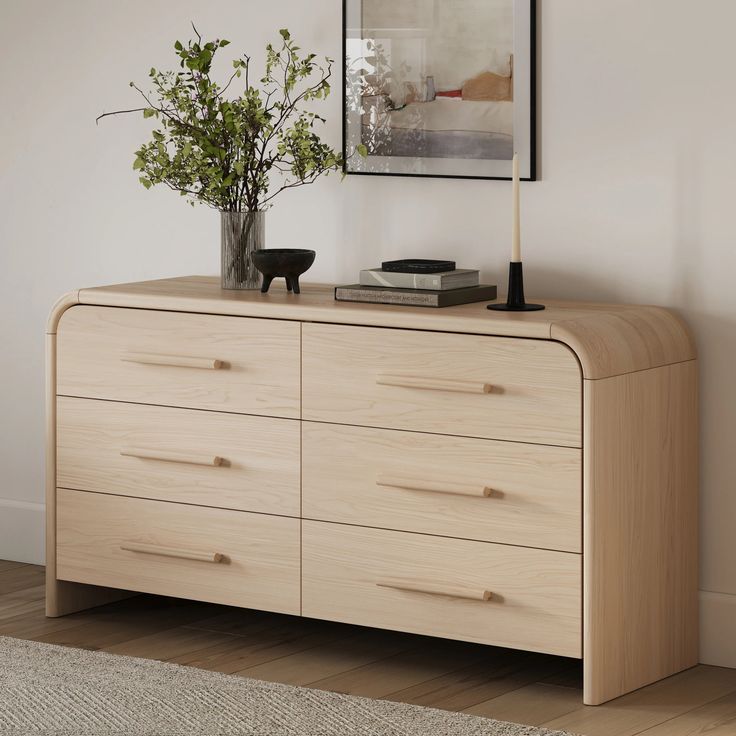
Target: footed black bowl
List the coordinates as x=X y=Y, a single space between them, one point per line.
x=290 y=263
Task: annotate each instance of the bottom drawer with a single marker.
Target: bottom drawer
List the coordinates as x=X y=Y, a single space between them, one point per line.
x=475 y=591
x=231 y=557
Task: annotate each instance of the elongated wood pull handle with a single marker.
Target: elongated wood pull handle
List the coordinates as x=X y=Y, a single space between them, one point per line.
x=435 y=384
x=170 y=456
x=183 y=554
x=178 y=361
x=451 y=591
x=450 y=487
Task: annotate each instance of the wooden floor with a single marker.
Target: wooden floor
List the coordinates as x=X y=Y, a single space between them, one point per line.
x=528 y=688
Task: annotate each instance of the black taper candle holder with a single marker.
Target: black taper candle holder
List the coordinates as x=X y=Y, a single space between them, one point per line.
x=515 y=299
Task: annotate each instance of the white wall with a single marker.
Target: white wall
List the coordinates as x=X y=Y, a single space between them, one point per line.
x=635 y=202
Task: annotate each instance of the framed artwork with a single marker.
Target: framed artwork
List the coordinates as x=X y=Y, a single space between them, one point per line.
x=439 y=87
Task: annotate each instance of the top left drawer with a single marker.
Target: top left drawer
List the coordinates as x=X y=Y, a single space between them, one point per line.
x=198 y=361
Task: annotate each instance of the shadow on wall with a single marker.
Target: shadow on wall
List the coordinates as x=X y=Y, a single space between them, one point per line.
x=545 y=282
x=716 y=337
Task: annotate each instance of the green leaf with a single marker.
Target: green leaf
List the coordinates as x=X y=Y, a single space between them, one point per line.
x=205 y=146
x=362 y=150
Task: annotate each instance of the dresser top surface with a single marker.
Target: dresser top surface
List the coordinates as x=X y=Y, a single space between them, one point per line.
x=609 y=339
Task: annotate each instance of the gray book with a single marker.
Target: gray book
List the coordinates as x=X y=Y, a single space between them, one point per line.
x=457 y=279
x=415 y=297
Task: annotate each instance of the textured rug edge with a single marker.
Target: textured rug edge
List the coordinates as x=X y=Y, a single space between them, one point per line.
x=97 y=669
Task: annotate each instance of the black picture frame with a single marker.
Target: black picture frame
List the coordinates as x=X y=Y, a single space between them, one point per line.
x=532 y=111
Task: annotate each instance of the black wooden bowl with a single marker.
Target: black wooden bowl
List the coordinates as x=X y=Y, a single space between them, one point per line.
x=290 y=263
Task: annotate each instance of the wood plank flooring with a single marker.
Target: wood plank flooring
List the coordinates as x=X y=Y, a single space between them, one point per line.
x=523 y=687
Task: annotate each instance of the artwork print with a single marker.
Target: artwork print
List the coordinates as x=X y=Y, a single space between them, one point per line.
x=439 y=87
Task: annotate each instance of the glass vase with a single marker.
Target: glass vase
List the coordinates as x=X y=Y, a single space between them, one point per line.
x=241 y=234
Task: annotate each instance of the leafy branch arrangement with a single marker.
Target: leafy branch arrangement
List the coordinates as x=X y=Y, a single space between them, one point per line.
x=223 y=152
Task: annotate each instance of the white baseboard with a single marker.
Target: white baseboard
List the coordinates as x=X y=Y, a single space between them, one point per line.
x=718 y=629
x=22 y=531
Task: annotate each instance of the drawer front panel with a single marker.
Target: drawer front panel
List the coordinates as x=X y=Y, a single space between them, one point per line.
x=438 y=586
x=452 y=486
x=198 y=457
x=199 y=361
x=476 y=386
x=171 y=549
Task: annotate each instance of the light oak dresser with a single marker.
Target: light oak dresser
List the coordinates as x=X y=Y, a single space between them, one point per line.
x=522 y=480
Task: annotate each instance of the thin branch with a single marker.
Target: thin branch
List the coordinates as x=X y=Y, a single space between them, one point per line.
x=298 y=183
x=199 y=37
x=117 y=112
x=197 y=195
x=222 y=91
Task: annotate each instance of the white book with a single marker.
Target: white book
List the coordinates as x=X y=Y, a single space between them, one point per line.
x=458 y=279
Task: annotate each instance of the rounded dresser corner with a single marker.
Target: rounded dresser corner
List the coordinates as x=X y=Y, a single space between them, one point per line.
x=70 y=299
x=634 y=339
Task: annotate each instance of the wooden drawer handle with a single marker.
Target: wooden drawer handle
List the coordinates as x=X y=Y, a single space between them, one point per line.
x=455 y=489
x=191 y=458
x=178 y=361
x=435 y=384
x=447 y=590
x=183 y=554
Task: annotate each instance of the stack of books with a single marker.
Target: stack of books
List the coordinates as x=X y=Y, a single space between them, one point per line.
x=417 y=283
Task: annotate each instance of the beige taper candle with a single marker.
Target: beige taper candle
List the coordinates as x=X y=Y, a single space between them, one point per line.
x=515 y=234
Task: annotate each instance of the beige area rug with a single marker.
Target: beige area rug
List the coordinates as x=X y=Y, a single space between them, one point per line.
x=57 y=690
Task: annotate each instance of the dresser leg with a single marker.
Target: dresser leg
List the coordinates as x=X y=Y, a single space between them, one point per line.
x=641 y=521
x=63 y=598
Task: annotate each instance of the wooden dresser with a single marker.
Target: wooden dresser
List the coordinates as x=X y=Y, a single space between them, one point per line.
x=522 y=480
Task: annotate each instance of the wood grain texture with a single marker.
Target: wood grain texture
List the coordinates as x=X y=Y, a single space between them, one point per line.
x=536 y=393
x=640 y=529
x=261 y=569
x=429 y=660
x=260 y=373
x=536 y=497
x=589 y=328
x=717 y=718
x=6 y=565
x=529 y=704
x=501 y=671
x=635 y=712
x=335 y=655
x=62 y=597
x=626 y=340
x=259 y=468
x=536 y=593
x=639 y=437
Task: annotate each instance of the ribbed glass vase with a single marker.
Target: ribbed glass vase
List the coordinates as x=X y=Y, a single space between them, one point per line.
x=241 y=233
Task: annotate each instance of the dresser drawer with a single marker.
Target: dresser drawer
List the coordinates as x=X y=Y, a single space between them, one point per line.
x=438 y=586
x=171 y=549
x=198 y=457
x=200 y=361
x=471 y=385
x=452 y=486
